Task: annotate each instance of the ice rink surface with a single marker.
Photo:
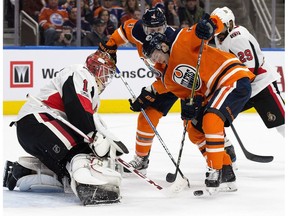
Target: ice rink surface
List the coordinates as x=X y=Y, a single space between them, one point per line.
x=261 y=190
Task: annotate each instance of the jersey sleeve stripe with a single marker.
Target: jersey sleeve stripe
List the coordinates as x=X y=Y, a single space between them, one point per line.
x=122 y=35
x=218 y=75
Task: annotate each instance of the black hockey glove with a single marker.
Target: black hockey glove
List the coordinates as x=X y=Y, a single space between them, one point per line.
x=205 y=28
x=144 y=100
x=109 y=49
x=188 y=111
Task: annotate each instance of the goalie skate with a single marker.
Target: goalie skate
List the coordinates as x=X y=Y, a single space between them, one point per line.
x=12 y=172
x=98 y=194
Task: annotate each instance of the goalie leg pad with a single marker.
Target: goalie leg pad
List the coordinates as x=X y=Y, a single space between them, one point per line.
x=98 y=194
x=29 y=174
x=92 y=181
x=87 y=169
x=35 y=164
x=39 y=183
x=26 y=166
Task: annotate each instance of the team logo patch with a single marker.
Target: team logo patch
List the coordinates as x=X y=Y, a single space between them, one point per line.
x=271 y=117
x=21 y=74
x=184 y=75
x=56 y=149
x=56 y=19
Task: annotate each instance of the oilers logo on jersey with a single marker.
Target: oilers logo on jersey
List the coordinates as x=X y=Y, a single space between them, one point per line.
x=57 y=19
x=184 y=75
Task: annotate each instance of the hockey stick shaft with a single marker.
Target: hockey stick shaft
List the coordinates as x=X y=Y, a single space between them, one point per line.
x=77 y=130
x=139 y=174
x=149 y=122
x=193 y=89
x=249 y=155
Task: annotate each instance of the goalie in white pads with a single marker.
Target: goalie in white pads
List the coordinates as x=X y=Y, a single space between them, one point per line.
x=60 y=152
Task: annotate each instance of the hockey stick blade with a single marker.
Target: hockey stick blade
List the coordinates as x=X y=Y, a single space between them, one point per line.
x=179 y=185
x=249 y=155
x=170 y=177
x=138 y=174
x=258 y=158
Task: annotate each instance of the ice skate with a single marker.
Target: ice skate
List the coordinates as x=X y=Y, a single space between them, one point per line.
x=13 y=172
x=220 y=180
x=213 y=180
x=228 y=179
x=139 y=163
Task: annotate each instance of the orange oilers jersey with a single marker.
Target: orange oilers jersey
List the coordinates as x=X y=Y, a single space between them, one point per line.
x=132 y=32
x=217 y=68
x=55 y=17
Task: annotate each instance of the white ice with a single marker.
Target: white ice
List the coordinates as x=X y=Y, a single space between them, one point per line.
x=261 y=186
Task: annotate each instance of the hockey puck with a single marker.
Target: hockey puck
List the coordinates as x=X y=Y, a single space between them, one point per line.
x=198 y=193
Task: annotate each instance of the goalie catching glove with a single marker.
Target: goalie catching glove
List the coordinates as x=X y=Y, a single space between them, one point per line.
x=145 y=99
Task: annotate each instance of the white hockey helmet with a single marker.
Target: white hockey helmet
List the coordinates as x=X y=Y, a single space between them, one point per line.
x=225 y=14
x=103 y=67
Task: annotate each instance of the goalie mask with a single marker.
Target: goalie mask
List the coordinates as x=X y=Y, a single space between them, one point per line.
x=228 y=19
x=154 y=20
x=103 y=67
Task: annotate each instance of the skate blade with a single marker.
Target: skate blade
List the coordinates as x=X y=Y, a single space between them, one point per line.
x=228 y=187
x=212 y=190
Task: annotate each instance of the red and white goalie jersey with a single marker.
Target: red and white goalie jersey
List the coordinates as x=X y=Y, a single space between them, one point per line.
x=72 y=94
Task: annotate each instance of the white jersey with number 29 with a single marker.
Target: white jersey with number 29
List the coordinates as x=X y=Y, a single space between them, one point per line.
x=244 y=45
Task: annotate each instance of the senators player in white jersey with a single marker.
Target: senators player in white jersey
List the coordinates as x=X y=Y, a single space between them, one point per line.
x=265 y=97
x=44 y=131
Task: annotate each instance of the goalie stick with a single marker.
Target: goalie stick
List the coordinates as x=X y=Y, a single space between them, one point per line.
x=139 y=174
x=89 y=139
x=249 y=155
x=155 y=131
